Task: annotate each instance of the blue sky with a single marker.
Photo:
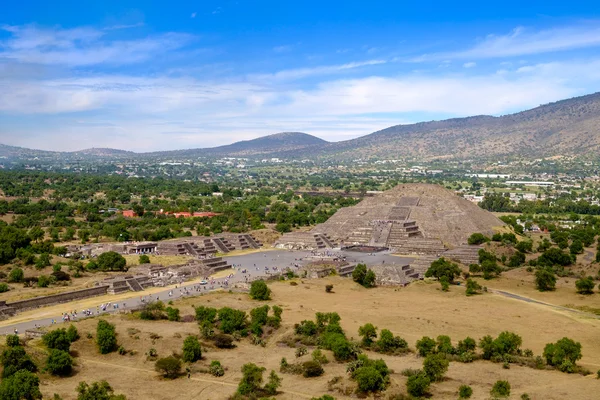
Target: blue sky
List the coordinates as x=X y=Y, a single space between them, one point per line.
x=146 y=76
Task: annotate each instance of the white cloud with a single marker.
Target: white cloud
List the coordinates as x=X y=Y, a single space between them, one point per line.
x=522 y=41
x=469 y=64
x=83 y=46
x=299 y=73
x=193 y=15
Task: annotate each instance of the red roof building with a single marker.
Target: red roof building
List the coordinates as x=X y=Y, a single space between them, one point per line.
x=129 y=213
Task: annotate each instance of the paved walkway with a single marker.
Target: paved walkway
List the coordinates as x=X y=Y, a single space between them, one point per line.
x=256 y=265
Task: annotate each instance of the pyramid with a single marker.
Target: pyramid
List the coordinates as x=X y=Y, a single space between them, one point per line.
x=410 y=219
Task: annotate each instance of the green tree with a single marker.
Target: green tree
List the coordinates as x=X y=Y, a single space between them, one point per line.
x=363 y=276
x=173 y=314
x=477 y=238
x=216 y=369
x=14 y=359
x=4 y=287
x=192 y=351
x=111 y=261
x=21 y=385
x=435 y=366
x=259 y=290
x=426 y=346
x=368 y=332
x=16 y=275
x=106 y=337
x=443 y=268
x=97 y=391
x=72 y=334
x=545 y=280
x=576 y=247
x=563 y=354
x=585 y=285
x=388 y=343
x=418 y=384
x=525 y=246
x=59 y=363
x=144 y=259
x=500 y=389
x=232 y=320
x=13 y=340
x=465 y=392
x=252 y=378
x=472 y=287
x=57 y=339
x=169 y=366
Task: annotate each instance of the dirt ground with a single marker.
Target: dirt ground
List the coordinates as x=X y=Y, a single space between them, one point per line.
x=412 y=312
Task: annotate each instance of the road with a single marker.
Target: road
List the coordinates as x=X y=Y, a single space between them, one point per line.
x=257 y=265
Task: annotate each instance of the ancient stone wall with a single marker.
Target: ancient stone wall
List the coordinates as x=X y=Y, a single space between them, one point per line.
x=57 y=298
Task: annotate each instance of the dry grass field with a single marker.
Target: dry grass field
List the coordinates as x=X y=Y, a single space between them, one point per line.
x=412 y=312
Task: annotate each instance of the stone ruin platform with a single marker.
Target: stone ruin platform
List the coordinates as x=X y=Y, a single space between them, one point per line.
x=204 y=246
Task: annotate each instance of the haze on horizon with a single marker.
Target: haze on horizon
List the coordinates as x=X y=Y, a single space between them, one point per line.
x=154 y=77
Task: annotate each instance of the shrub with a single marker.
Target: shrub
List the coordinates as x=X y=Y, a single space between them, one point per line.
x=472 y=287
x=57 y=339
x=231 y=320
x=153 y=311
x=425 y=346
x=72 y=333
x=466 y=345
x=370 y=375
x=169 y=366
x=259 y=290
x=312 y=369
x=192 y=351
x=223 y=341
x=328 y=288
x=59 y=362
x=13 y=341
x=444 y=345
x=500 y=389
x=418 y=384
x=545 y=280
x=4 y=287
x=585 y=285
x=363 y=276
x=106 y=337
x=306 y=328
x=443 y=268
x=111 y=261
x=97 y=391
x=563 y=354
x=144 y=259
x=368 y=333
x=318 y=356
x=173 y=314
x=14 y=359
x=206 y=314
x=216 y=369
x=301 y=351
x=21 y=385
x=16 y=275
x=507 y=343
x=388 y=343
x=465 y=392
x=435 y=366
x=252 y=377
x=477 y=238
x=43 y=281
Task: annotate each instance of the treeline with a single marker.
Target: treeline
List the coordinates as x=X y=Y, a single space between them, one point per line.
x=564 y=204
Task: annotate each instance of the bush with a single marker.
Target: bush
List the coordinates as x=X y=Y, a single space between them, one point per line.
x=106 y=337
x=507 y=343
x=192 y=351
x=223 y=341
x=368 y=333
x=57 y=339
x=206 y=314
x=466 y=345
x=16 y=275
x=4 y=287
x=306 y=328
x=144 y=259
x=22 y=385
x=173 y=314
x=545 y=280
x=301 y=351
x=363 y=276
x=435 y=366
x=328 y=288
x=72 y=334
x=443 y=268
x=563 y=354
x=472 y=287
x=111 y=261
x=465 y=392
x=169 y=366
x=418 y=384
x=477 y=238
x=425 y=346
x=387 y=342
x=97 y=391
x=312 y=369
x=59 y=363
x=585 y=285
x=318 y=356
x=500 y=389
x=260 y=291
x=231 y=320
x=14 y=359
x=43 y=281
x=216 y=369
x=13 y=341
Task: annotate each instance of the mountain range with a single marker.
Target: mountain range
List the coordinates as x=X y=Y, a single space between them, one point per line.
x=566 y=127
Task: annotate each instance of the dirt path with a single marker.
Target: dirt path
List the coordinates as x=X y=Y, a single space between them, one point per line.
x=196 y=396
x=530 y=300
